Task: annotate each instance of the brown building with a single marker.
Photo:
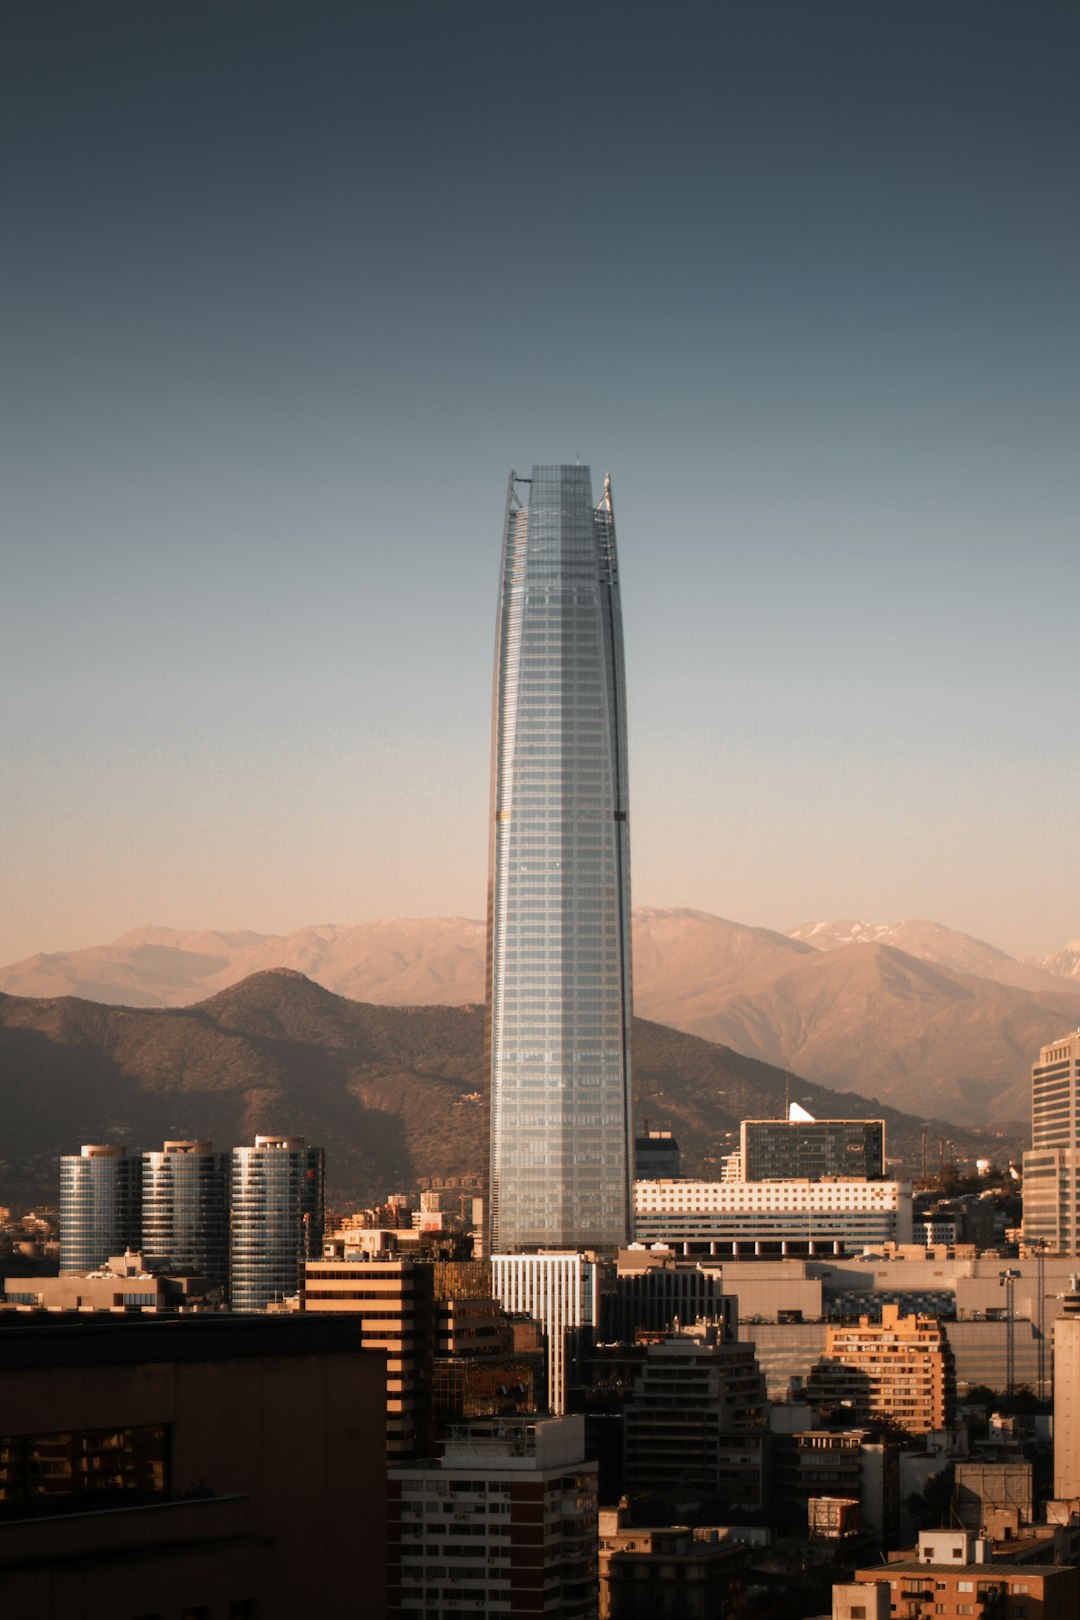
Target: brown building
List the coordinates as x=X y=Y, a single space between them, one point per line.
x=198 y=1468
x=900 y=1367
x=979 y=1591
x=121 y=1283
x=393 y=1299
x=696 y=1419
x=691 y=1573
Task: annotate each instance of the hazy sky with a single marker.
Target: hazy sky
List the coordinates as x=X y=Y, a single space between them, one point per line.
x=289 y=288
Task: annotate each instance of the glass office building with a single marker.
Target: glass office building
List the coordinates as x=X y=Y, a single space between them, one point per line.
x=559 y=883
x=185 y=1201
x=812 y=1149
x=277 y=1218
x=99 y=1206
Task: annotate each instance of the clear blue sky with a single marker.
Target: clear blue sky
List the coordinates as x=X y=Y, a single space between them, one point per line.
x=288 y=289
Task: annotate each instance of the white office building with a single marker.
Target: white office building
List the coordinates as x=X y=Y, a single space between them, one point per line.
x=772 y=1217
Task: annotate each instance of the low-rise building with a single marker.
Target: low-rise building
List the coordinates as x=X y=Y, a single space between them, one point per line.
x=697 y=1574
x=772 y=1217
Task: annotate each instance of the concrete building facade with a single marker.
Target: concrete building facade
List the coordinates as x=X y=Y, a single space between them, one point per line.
x=900 y=1367
x=1052 y=1167
x=503 y=1524
x=772 y=1217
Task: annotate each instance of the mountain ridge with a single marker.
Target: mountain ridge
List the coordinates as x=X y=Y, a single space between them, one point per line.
x=392 y=1093
x=888 y=1009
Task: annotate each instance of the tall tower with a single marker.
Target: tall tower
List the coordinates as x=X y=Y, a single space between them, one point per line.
x=558 y=992
x=276 y=1216
x=1052 y=1167
x=99 y=1206
x=185 y=1220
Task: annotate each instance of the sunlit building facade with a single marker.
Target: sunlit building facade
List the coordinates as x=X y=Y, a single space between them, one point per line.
x=100 y=1205
x=559 y=893
x=185 y=1220
x=1052 y=1167
x=276 y=1208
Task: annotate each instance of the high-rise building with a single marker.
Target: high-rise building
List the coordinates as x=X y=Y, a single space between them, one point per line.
x=185 y=1209
x=696 y=1418
x=503 y=1523
x=394 y=1301
x=276 y=1205
x=559 y=1291
x=901 y=1367
x=1052 y=1168
x=99 y=1205
x=559 y=887
x=802 y=1148
x=1067 y=1400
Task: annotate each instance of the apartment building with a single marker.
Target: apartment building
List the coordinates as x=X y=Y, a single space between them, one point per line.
x=503 y=1524
x=900 y=1367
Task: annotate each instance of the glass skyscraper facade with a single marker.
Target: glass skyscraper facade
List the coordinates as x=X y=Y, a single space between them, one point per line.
x=277 y=1218
x=185 y=1220
x=99 y=1206
x=559 y=999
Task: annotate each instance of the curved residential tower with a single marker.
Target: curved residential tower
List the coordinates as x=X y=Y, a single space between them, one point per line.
x=559 y=883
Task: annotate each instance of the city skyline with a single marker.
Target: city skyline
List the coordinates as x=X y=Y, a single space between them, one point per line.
x=559 y=998
x=804 y=276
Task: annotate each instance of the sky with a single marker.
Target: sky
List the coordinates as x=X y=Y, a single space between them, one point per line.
x=289 y=289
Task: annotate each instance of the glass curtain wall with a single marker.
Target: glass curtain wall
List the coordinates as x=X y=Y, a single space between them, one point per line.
x=559 y=901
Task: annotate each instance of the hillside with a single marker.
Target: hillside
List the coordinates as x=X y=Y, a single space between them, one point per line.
x=392 y=1093
x=918 y=1014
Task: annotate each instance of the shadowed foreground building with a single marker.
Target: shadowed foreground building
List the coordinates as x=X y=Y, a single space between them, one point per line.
x=219 y=1467
x=558 y=991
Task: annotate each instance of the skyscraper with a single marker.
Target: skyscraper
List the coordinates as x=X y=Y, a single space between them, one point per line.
x=185 y=1202
x=100 y=1201
x=559 y=881
x=1052 y=1167
x=276 y=1215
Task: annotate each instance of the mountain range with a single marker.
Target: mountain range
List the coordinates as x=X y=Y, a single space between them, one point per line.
x=392 y=1093
x=917 y=1014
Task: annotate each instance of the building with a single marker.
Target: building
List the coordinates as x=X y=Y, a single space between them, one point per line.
x=801 y=1148
x=123 y=1283
x=900 y=1367
x=954 y=1574
x=656 y=1156
x=772 y=1217
x=1052 y=1167
x=221 y=1467
x=558 y=994
x=100 y=1198
x=696 y=1574
x=860 y=1600
x=697 y=1419
x=502 y=1524
x=276 y=1216
x=825 y=1464
x=393 y=1302
x=185 y=1209
x=559 y=1291
x=653 y=1292
x=1067 y=1402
